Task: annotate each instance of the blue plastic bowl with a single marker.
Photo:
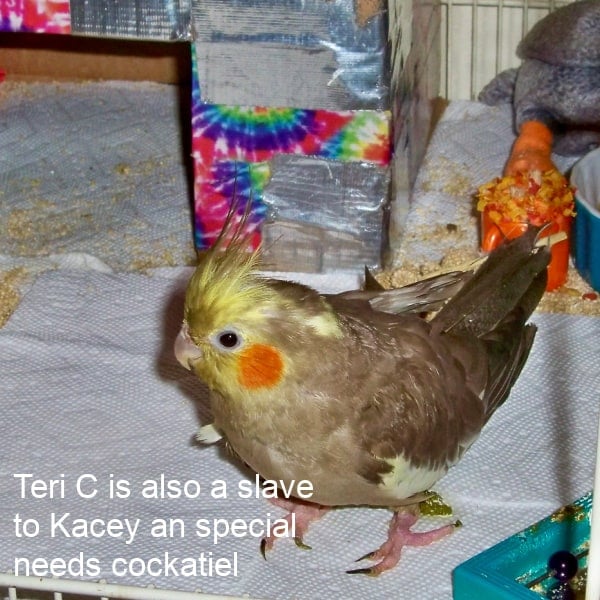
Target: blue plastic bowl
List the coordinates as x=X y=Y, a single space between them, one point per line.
x=585 y=177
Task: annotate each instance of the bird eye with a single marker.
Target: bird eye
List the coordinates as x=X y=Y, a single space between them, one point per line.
x=228 y=339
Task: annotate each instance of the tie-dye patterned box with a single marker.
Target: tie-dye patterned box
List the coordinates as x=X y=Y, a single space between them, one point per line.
x=50 y=16
x=152 y=19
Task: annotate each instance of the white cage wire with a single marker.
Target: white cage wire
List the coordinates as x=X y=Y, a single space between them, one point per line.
x=479 y=38
x=15 y=587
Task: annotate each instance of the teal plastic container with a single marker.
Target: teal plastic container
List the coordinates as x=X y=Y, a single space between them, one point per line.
x=585 y=177
x=504 y=571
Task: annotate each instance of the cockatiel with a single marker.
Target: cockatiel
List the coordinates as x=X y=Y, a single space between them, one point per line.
x=356 y=392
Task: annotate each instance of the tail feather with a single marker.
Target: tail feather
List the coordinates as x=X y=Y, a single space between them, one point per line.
x=495 y=304
x=513 y=275
x=509 y=345
x=506 y=361
x=422 y=296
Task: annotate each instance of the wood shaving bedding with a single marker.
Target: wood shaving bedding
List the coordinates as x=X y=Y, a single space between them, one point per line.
x=10 y=295
x=576 y=297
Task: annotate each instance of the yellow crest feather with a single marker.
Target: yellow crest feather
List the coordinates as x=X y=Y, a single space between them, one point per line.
x=227 y=285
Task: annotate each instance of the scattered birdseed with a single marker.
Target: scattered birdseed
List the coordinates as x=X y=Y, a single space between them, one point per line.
x=576 y=297
x=9 y=292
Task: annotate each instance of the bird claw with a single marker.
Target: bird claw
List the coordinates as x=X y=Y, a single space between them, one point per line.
x=266 y=543
x=400 y=535
x=367 y=556
x=298 y=541
x=301 y=515
x=369 y=571
x=264 y=546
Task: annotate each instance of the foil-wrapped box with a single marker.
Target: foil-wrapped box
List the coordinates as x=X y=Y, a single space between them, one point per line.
x=291 y=113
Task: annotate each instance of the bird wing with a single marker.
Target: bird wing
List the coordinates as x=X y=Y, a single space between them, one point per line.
x=421 y=296
x=416 y=394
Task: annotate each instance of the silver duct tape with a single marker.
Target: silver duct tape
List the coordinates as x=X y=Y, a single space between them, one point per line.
x=325 y=215
x=308 y=53
x=140 y=19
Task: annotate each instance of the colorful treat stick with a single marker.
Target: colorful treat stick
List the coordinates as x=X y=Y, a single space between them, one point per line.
x=544 y=199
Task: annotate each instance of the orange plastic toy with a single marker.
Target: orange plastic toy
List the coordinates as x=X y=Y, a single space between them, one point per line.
x=494 y=233
x=509 y=204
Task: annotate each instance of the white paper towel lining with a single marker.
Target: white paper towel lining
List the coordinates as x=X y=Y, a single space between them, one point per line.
x=90 y=386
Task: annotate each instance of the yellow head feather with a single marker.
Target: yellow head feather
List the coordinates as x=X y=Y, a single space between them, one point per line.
x=227 y=287
x=224 y=285
x=226 y=294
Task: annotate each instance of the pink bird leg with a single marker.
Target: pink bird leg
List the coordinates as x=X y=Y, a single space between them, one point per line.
x=304 y=513
x=399 y=536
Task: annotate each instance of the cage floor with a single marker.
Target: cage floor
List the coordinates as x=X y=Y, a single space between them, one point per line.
x=95 y=242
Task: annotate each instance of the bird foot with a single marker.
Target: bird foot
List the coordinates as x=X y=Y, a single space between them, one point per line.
x=399 y=536
x=532 y=150
x=300 y=516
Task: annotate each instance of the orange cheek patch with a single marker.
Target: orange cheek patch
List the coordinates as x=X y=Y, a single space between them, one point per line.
x=260 y=366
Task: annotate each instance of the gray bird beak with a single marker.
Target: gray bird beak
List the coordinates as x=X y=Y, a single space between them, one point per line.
x=186 y=352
